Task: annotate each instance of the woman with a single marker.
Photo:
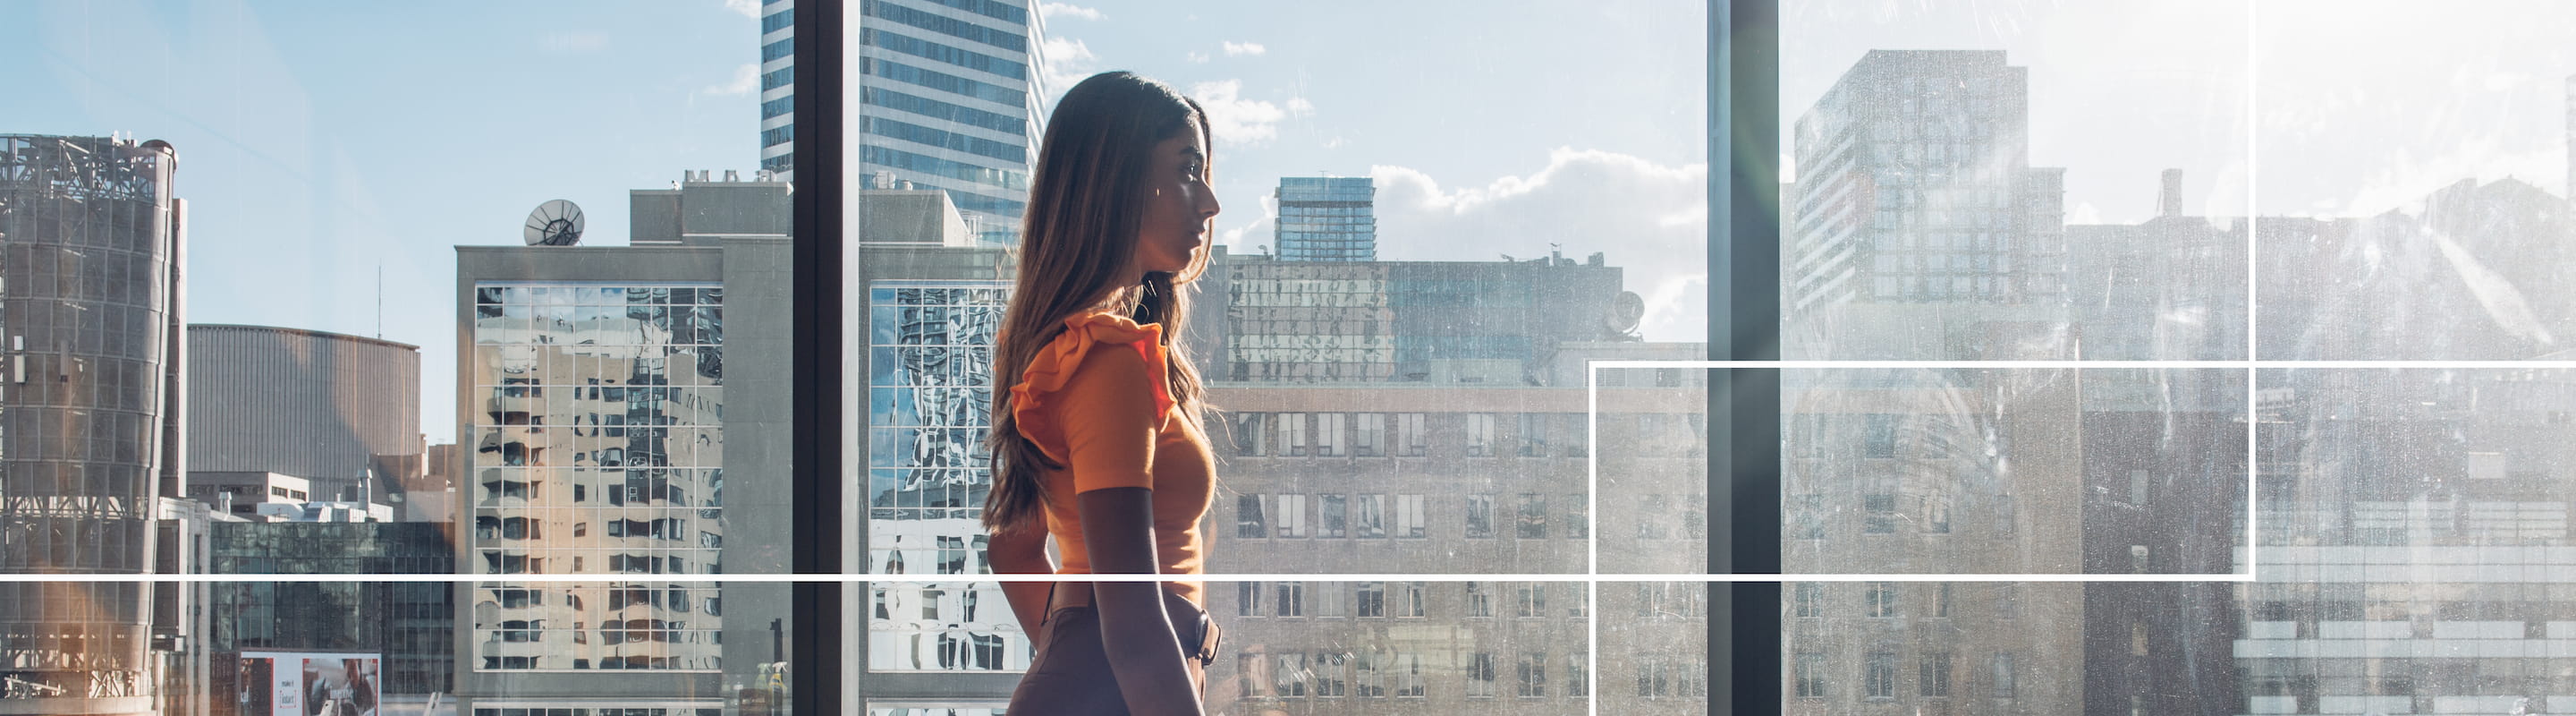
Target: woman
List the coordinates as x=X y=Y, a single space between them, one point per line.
x=1097 y=443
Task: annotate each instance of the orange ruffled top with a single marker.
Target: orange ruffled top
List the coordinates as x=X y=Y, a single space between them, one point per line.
x=1095 y=401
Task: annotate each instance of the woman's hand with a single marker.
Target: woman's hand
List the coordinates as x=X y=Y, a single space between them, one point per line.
x=1144 y=652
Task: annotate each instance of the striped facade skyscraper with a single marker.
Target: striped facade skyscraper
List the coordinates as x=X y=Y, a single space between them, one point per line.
x=950 y=97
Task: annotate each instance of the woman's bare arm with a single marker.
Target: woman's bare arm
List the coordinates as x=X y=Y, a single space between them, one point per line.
x=1022 y=551
x=1145 y=654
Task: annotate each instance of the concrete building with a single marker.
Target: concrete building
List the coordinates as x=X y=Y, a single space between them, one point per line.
x=91 y=235
x=2170 y=288
x=1263 y=319
x=600 y=389
x=334 y=410
x=949 y=96
x=1918 y=229
x=1326 y=219
x=2416 y=545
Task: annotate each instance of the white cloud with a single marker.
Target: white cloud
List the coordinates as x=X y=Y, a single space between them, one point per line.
x=1233 y=49
x=748 y=8
x=1234 y=119
x=573 y=43
x=1298 y=106
x=1649 y=219
x=1197 y=57
x=1068 y=61
x=1053 y=10
x=746 y=79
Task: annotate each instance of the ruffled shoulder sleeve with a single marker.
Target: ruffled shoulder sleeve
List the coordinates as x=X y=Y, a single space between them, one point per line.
x=1036 y=399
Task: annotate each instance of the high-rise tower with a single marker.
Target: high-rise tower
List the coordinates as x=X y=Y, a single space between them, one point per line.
x=1327 y=219
x=950 y=96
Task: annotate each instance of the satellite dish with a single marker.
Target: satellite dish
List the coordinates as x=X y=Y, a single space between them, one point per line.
x=1625 y=311
x=554 y=223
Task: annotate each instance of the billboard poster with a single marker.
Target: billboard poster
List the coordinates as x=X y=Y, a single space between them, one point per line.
x=277 y=683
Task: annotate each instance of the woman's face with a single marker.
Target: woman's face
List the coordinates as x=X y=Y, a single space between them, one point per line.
x=1179 y=203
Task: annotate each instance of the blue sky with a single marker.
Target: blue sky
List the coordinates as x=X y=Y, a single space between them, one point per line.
x=321 y=141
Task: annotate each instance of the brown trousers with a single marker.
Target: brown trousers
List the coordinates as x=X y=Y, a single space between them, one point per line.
x=1070 y=675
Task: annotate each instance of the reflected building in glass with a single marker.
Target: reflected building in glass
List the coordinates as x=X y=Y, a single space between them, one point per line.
x=1917 y=228
x=1326 y=219
x=90 y=232
x=598 y=402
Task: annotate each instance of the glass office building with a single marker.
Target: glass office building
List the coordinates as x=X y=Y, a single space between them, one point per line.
x=89 y=232
x=949 y=97
x=1326 y=219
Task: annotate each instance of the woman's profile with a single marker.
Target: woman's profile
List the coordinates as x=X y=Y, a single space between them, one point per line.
x=1096 y=435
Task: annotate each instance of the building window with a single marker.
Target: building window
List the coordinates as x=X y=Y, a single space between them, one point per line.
x=1533 y=675
x=1291 y=431
x=1329 y=435
x=1409 y=517
x=1578 y=516
x=1580 y=606
x=1807 y=519
x=1411 y=439
x=1370 y=521
x=1480 y=675
x=1327 y=673
x=1941 y=599
x=1533 y=516
x=1879 y=438
x=1810 y=675
x=1290 y=516
x=1335 y=511
x=1878 y=513
x=1371 y=601
x=1578 y=676
x=1247 y=599
x=1577 y=433
x=1480 y=434
x=1878 y=676
x=1480 y=516
x=1880 y=600
x=1412 y=599
x=1936 y=514
x=1529 y=600
x=1330 y=600
x=1654 y=678
x=2003 y=675
x=1251 y=434
x=1292 y=599
x=1533 y=434
x=1935 y=679
x=1408 y=675
x=1247 y=517
x=1368 y=674
x=1479 y=604
x=1650 y=518
x=1807 y=600
x=1371 y=434
x=1255 y=678
x=1290 y=683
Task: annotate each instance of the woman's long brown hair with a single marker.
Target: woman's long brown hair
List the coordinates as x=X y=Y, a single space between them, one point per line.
x=1078 y=236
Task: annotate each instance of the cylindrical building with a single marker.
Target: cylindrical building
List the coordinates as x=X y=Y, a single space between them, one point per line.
x=321 y=406
x=88 y=234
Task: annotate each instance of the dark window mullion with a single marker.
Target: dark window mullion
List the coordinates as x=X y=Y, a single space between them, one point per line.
x=816 y=655
x=1744 y=324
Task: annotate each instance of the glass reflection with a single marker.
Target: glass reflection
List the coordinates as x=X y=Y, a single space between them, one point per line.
x=600 y=450
x=930 y=366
